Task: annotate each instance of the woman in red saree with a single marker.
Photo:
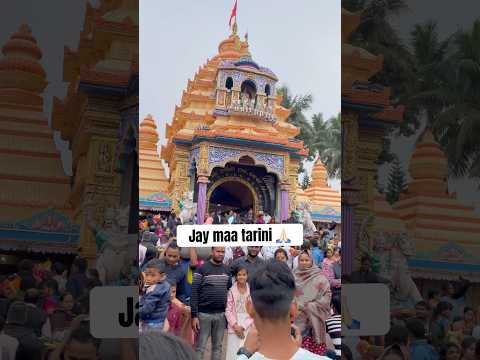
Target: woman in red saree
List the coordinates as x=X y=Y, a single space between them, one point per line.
x=313 y=298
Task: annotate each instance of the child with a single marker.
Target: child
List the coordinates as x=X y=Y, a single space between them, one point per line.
x=455 y=334
x=155 y=297
x=61 y=317
x=281 y=255
x=179 y=317
x=60 y=276
x=50 y=299
x=334 y=326
x=238 y=319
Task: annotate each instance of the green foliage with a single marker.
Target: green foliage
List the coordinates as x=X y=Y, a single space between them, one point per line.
x=437 y=80
x=306 y=182
x=322 y=138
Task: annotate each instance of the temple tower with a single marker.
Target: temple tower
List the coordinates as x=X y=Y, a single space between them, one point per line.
x=34 y=190
x=229 y=138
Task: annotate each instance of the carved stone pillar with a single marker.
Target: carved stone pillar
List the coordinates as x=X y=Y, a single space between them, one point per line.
x=180 y=176
x=202 y=199
x=284 y=203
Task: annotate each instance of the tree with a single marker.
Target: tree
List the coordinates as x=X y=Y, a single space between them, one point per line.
x=297 y=105
x=396 y=182
x=457 y=125
x=306 y=182
x=376 y=35
x=327 y=143
x=322 y=138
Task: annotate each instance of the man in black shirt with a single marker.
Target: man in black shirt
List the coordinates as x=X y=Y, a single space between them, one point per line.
x=251 y=261
x=176 y=274
x=208 y=302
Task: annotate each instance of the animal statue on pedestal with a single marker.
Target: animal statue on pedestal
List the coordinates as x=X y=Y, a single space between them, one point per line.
x=391 y=248
x=305 y=218
x=188 y=209
x=116 y=248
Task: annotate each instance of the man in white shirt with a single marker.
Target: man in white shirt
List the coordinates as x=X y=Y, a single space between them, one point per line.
x=272 y=288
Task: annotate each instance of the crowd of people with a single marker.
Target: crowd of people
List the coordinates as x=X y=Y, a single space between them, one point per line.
x=44 y=310
x=205 y=296
x=443 y=326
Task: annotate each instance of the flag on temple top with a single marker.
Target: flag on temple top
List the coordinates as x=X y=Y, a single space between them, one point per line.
x=233 y=14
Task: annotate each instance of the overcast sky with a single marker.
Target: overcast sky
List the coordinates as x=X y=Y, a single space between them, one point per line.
x=299 y=41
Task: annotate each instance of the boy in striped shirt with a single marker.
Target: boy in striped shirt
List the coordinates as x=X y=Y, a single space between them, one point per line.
x=334 y=325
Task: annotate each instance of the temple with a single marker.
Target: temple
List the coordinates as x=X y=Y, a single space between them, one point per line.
x=323 y=200
x=99 y=116
x=153 y=182
x=229 y=143
x=445 y=231
x=366 y=114
x=35 y=211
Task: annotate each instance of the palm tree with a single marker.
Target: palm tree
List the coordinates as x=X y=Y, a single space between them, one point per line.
x=424 y=94
x=322 y=138
x=378 y=36
x=298 y=104
x=457 y=126
x=326 y=143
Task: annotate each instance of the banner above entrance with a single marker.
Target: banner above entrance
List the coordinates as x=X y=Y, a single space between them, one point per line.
x=240 y=235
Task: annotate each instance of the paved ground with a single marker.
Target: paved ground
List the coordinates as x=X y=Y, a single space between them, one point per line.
x=207 y=353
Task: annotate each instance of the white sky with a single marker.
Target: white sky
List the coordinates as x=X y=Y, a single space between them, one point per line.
x=300 y=43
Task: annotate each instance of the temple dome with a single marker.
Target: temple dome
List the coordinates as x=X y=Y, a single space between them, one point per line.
x=230 y=45
x=148 y=133
x=428 y=165
x=152 y=174
x=319 y=174
x=325 y=202
x=20 y=67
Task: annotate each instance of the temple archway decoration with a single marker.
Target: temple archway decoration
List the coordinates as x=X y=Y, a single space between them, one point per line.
x=219 y=156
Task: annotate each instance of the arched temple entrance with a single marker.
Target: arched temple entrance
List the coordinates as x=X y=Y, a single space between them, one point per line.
x=232 y=193
x=240 y=187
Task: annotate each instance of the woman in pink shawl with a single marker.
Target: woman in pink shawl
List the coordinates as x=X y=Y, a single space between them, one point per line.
x=208 y=219
x=313 y=297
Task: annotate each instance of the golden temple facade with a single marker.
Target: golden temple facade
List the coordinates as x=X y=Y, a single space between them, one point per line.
x=99 y=115
x=366 y=113
x=228 y=125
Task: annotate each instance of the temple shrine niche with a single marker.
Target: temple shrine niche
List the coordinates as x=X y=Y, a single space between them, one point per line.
x=36 y=214
x=366 y=113
x=229 y=143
